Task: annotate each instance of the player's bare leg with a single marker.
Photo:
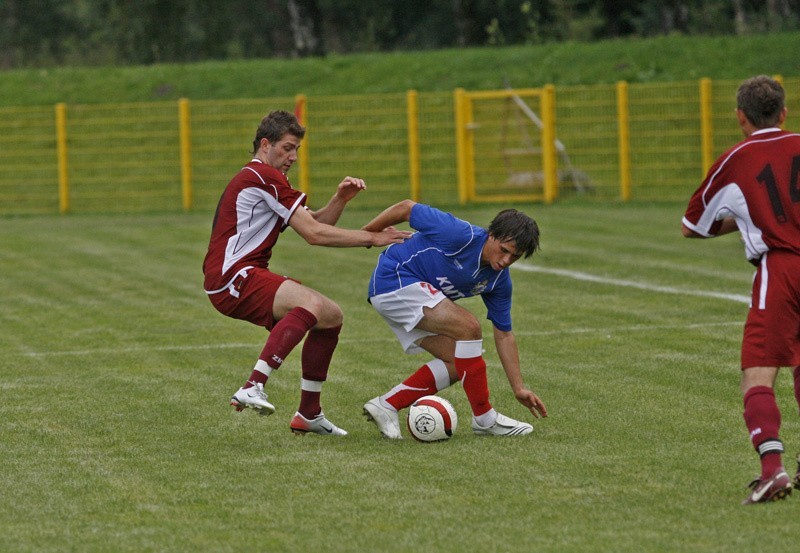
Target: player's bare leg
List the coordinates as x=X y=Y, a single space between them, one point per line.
x=465 y=348
x=291 y=325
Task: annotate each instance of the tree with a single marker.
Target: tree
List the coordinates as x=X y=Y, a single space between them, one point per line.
x=51 y=32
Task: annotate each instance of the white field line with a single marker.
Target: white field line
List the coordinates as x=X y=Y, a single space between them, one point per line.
x=519 y=266
x=576 y=275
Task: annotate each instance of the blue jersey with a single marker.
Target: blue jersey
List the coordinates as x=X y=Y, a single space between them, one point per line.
x=446 y=253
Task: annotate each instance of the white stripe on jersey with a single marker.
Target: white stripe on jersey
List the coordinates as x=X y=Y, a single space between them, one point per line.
x=257 y=215
x=729 y=201
x=762 y=290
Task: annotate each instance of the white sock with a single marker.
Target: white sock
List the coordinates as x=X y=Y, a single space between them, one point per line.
x=262 y=367
x=487 y=419
x=310 y=385
x=440 y=374
x=469 y=349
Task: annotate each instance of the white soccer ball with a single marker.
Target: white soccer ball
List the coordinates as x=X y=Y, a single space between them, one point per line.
x=432 y=419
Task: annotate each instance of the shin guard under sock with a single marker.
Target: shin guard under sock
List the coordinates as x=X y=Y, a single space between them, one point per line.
x=316 y=360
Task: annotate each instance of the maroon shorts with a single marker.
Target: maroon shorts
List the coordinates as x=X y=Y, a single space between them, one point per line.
x=772 y=331
x=250 y=298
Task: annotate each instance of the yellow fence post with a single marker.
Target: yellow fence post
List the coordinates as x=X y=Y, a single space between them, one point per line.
x=301 y=112
x=549 y=161
x=61 y=150
x=412 y=115
x=624 y=141
x=460 y=99
x=469 y=146
x=706 y=125
x=184 y=123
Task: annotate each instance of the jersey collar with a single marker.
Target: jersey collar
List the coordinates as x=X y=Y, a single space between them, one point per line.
x=763 y=131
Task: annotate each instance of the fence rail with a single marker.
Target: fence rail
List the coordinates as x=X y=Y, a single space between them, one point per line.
x=622 y=141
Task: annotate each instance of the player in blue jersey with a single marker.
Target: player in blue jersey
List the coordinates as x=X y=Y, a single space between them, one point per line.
x=415 y=286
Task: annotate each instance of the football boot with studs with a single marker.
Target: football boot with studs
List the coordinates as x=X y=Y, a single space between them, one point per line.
x=778 y=486
x=503 y=426
x=318 y=425
x=384 y=418
x=253 y=397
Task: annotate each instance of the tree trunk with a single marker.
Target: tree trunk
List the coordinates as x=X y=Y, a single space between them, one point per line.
x=301 y=24
x=461 y=23
x=739 y=18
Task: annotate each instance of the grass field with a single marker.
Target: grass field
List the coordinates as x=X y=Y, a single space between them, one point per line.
x=116 y=434
x=641 y=60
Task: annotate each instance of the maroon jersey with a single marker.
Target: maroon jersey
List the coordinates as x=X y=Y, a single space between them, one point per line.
x=254 y=209
x=757 y=182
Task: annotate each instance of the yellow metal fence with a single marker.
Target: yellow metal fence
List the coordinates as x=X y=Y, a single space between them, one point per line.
x=623 y=141
x=506 y=151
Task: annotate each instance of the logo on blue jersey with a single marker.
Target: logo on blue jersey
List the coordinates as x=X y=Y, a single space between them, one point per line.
x=479 y=287
x=449 y=290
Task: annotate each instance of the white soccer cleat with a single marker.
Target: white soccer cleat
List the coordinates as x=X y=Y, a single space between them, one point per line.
x=384 y=418
x=503 y=426
x=318 y=425
x=254 y=397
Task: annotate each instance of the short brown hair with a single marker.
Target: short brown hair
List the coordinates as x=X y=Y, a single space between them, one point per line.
x=761 y=99
x=277 y=124
x=511 y=224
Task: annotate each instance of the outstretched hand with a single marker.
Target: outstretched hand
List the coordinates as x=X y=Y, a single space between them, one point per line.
x=349 y=188
x=532 y=402
x=390 y=235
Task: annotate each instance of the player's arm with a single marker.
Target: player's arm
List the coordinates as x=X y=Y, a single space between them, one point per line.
x=321 y=234
x=507 y=350
x=346 y=191
x=398 y=213
x=727 y=225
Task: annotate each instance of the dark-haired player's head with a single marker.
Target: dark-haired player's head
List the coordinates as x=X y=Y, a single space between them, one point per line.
x=275 y=126
x=761 y=99
x=511 y=224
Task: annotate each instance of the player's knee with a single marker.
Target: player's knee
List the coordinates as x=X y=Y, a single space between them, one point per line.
x=330 y=316
x=469 y=329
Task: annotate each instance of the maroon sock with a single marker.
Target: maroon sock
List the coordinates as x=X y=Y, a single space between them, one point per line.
x=316 y=359
x=763 y=419
x=284 y=336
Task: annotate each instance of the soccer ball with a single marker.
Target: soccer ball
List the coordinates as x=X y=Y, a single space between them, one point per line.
x=432 y=419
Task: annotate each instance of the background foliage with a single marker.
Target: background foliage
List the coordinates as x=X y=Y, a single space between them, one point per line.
x=105 y=32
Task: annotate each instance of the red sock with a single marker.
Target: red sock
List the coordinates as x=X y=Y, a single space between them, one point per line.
x=427 y=380
x=284 y=336
x=316 y=359
x=471 y=370
x=763 y=420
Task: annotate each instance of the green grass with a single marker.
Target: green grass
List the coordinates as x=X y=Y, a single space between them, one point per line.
x=116 y=433
x=661 y=59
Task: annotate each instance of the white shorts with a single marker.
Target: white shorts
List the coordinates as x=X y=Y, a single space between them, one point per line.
x=402 y=309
